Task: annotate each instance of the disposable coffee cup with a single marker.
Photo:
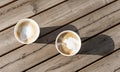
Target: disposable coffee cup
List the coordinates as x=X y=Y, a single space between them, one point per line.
x=26 y=31
x=68 y=43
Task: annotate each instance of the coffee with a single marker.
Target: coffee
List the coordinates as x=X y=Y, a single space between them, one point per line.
x=26 y=31
x=68 y=43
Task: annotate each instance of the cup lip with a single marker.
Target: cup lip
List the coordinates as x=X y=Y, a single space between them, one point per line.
x=56 y=41
x=16 y=28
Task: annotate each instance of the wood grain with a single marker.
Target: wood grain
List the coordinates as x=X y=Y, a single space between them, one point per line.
x=10 y=14
x=35 y=50
x=102 y=23
x=96 y=48
x=117 y=70
x=4 y=2
x=67 y=12
x=7 y=41
x=108 y=64
x=57 y=16
x=5 y=44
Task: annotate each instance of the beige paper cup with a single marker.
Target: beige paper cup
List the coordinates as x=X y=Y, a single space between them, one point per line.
x=57 y=44
x=33 y=31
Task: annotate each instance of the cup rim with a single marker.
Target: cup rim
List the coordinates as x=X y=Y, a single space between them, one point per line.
x=56 y=41
x=20 y=22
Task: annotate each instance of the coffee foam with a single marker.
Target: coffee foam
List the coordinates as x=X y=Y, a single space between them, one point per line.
x=71 y=43
x=26 y=31
x=68 y=43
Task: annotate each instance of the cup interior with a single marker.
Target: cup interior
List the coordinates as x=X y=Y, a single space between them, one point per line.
x=64 y=36
x=26 y=31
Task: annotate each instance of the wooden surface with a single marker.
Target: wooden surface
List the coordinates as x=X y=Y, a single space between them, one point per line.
x=96 y=21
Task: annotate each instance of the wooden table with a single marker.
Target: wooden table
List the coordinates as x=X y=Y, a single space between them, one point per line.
x=96 y=21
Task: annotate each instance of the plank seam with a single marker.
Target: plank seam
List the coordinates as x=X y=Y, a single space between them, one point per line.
x=12 y=8
x=100 y=19
x=98 y=60
x=58 y=53
x=116 y=69
x=41 y=62
x=103 y=56
x=12 y=50
x=35 y=14
x=8 y=3
x=59 y=28
x=22 y=57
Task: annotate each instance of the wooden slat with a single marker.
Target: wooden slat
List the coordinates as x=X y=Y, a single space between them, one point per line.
x=93 y=49
x=10 y=14
x=7 y=41
x=43 y=53
x=57 y=16
x=5 y=44
x=110 y=63
x=92 y=30
x=67 y=12
x=117 y=70
x=4 y=2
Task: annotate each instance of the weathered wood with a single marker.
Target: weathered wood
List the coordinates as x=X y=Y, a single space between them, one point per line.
x=4 y=2
x=42 y=53
x=7 y=41
x=93 y=49
x=57 y=16
x=67 y=12
x=107 y=64
x=117 y=70
x=5 y=44
x=10 y=14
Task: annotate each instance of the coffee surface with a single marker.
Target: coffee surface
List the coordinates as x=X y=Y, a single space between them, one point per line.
x=68 y=43
x=26 y=31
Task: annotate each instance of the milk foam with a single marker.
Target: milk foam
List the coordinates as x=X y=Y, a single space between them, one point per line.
x=72 y=43
x=26 y=32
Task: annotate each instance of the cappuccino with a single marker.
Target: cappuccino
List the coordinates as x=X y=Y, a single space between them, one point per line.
x=68 y=43
x=26 y=31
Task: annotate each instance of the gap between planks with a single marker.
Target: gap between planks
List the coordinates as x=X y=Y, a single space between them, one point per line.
x=97 y=60
x=111 y=27
x=92 y=63
x=105 y=31
x=3 y=4
x=28 y=17
x=35 y=14
x=82 y=42
x=93 y=11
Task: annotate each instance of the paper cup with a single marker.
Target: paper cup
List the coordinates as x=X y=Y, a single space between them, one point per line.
x=58 y=44
x=26 y=31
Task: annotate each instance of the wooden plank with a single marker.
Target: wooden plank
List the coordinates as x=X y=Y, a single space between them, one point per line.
x=4 y=2
x=7 y=41
x=117 y=70
x=5 y=44
x=45 y=52
x=92 y=27
x=10 y=14
x=107 y=64
x=67 y=12
x=57 y=16
x=93 y=49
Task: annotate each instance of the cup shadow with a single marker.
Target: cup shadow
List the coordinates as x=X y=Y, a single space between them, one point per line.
x=51 y=36
x=99 y=45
